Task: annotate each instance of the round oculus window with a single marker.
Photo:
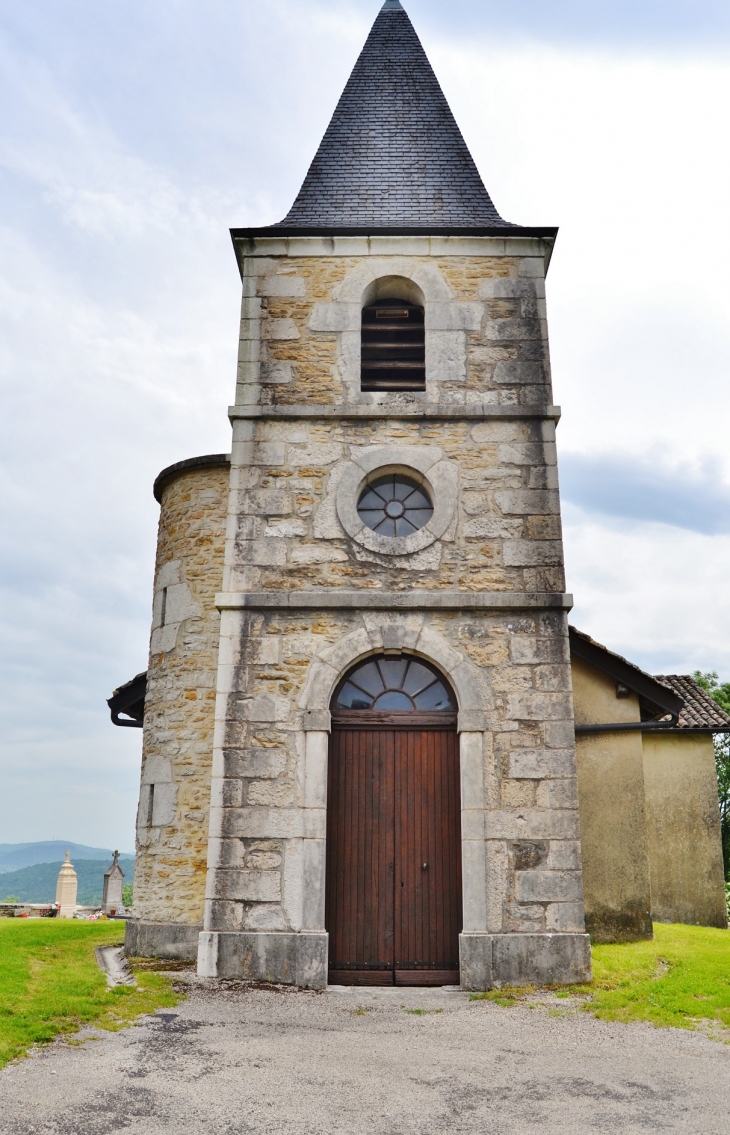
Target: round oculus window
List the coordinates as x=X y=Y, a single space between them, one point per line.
x=394 y=505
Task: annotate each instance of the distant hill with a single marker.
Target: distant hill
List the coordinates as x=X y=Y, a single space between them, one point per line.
x=13 y=856
x=38 y=882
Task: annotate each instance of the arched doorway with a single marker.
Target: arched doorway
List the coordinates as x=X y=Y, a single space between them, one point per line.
x=393 y=899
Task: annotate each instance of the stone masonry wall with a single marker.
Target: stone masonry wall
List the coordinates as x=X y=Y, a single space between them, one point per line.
x=485 y=422
x=172 y=821
x=505 y=534
x=486 y=327
x=519 y=793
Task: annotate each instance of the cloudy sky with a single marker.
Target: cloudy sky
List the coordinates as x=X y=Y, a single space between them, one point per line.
x=136 y=134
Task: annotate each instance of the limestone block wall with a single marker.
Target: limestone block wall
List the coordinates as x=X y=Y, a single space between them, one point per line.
x=307 y=590
x=172 y=820
x=683 y=829
x=612 y=811
x=484 y=299
x=519 y=799
x=504 y=531
x=300 y=419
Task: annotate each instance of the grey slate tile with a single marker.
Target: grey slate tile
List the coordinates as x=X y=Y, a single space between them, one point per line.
x=393 y=156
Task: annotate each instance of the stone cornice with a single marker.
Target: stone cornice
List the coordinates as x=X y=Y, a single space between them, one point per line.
x=506 y=241
x=512 y=241
x=394 y=600
x=418 y=411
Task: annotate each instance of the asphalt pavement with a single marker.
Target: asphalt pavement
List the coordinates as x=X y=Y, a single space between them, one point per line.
x=235 y=1061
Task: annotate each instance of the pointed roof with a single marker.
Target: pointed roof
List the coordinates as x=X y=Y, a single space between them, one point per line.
x=392 y=156
x=393 y=161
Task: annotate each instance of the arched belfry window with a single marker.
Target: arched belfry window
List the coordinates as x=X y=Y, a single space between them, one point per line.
x=394 y=684
x=393 y=346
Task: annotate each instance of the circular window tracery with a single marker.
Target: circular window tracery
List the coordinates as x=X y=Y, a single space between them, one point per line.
x=385 y=683
x=394 y=505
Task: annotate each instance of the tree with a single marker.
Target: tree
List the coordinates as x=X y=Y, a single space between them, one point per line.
x=721 y=694
x=128 y=895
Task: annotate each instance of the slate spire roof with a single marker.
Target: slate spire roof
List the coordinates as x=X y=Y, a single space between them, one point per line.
x=392 y=156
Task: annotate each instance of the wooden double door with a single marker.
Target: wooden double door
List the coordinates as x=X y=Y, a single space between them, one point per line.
x=393 y=900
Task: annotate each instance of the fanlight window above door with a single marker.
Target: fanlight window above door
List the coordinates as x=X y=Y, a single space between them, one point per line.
x=390 y=683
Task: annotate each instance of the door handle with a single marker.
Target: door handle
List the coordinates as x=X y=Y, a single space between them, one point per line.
x=424 y=867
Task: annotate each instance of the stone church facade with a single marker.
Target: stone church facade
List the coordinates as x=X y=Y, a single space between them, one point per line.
x=288 y=565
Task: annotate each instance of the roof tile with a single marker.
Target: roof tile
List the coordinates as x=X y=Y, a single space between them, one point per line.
x=700 y=711
x=393 y=156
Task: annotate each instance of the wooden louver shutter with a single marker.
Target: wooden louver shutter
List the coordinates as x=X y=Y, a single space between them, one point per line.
x=393 y=346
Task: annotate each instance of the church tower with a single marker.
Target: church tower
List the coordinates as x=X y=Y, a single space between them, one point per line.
x=392 y=789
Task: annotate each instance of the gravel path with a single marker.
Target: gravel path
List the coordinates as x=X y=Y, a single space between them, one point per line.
x=236 y=1062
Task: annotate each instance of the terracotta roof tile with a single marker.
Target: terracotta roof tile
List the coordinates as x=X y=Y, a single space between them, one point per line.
x=699 y=711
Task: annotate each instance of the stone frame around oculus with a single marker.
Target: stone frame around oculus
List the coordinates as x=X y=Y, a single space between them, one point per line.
x=439 y=476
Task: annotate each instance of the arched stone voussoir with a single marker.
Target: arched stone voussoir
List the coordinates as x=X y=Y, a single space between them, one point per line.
x=466 y=686
x=390 y=631
x=350 y=290
x=347 y=650
x=434 y=646
x=318 y=686
x=334 y=661
x=433 y=285
x=459 y=670
x=427 y=277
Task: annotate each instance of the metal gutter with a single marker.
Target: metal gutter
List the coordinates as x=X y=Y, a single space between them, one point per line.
x=637 y=726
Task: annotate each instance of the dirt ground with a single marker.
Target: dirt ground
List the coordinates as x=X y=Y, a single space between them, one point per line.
x=392 y=1062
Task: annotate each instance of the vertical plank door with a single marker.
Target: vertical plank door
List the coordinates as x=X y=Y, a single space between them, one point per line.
x=427 y=857
x=393 y=899
x=359 y=907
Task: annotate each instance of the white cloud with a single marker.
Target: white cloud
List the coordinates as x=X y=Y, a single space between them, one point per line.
x=654 y=593
x=135 y=143
x=622 y=154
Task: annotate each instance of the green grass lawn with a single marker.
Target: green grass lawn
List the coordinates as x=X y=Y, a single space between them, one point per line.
x=681 y=978
x=50 y=982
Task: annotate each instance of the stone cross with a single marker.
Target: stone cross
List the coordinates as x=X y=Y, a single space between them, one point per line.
x=111 y=900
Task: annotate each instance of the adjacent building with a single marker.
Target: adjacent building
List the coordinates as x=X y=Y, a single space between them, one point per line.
x=647 y=793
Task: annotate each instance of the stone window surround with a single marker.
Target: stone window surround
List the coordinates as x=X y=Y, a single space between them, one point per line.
x=439 y=476
x=447 y=321
x=389 y=634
